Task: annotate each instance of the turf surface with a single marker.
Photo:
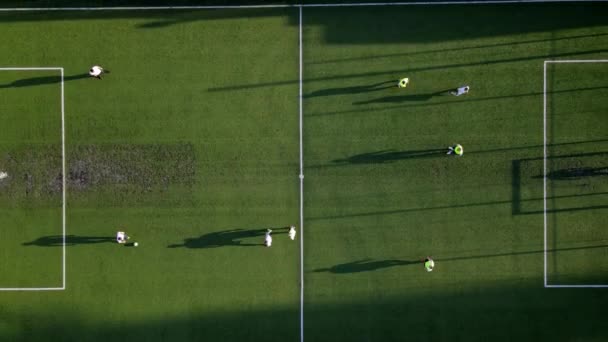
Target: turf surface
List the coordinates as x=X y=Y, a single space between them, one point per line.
x=382 y=194
x=190 y=144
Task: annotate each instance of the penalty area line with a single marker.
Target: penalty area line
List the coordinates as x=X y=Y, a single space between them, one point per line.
x=63 y=168
x=32 y=288
x=31 y=68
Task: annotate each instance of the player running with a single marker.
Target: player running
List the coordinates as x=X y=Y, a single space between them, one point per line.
x=456 y=149
x=96 y=71
x=460 y=91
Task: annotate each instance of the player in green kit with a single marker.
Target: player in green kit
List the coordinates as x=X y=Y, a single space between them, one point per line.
x=457 y=150
x=403 y=82
x=429 y=264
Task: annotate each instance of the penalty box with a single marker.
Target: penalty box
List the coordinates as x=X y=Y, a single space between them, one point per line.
x=60 y=72
x=583 y=164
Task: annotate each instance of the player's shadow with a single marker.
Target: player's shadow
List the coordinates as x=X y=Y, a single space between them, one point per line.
x=366 y=265
x=576 y=173
x=70 y=240
x=233 y=237
x=406 y=98
x=354 y=90
x=388 y=156
x=42 y=80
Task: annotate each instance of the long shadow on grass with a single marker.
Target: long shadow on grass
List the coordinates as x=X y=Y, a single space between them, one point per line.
x=388 y=156
x=453 y=101
x=495 y=255
x=354 y=90
x=366 y=265
x=405 y=98
x=456 y=206
x=70 y=240
x=391 y=155
x=233 y=237
x=576 y=173
x=35 y=81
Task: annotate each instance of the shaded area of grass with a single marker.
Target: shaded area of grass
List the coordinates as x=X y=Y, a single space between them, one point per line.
x=475 y=314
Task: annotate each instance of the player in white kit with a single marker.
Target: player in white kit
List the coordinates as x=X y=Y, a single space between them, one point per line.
x=292 y=232
x=96 y=71
x=460 y=91
x=268 y=238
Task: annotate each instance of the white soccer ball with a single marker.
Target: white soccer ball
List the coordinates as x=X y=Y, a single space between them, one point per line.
x=135 y=244
x=3 y=174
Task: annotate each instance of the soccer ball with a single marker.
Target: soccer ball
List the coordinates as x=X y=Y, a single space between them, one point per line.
x=135 y=244
x=3 y=174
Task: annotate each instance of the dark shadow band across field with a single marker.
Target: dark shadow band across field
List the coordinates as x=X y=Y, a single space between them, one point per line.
x=500 y=311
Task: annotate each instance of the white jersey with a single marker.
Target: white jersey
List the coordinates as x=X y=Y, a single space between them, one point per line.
x=95 y=71
x=292 y=232
x=462 y=90
x=268 y=240
x=121 y=237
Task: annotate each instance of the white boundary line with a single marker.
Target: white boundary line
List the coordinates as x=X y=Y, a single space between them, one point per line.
x=63 y=257
x=362 y=4
x=32 y=289
x=545 y=169
x=578 y=61
x=33 y=68
x=301 y=176
x=546 y=284
x=576 y=286
x=63 y=180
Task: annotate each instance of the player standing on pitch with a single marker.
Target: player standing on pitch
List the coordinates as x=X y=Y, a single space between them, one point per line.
x=429 y=264
x=292 y=232
x=96 y=71
x=268 y=238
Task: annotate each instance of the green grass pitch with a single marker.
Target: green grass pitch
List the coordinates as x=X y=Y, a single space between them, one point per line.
x=191 y=145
